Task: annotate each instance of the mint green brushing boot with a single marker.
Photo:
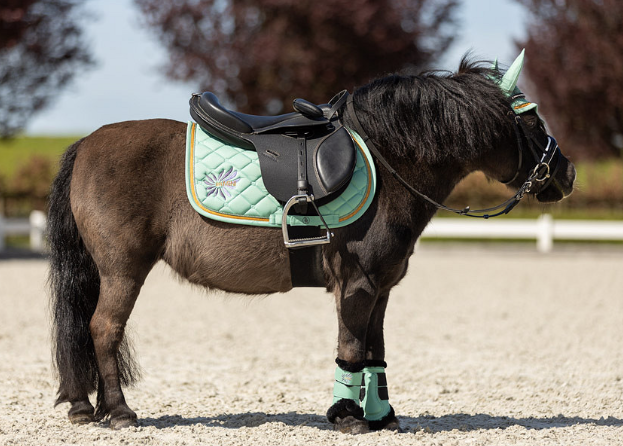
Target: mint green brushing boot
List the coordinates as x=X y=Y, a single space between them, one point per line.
x=374 y=396
x=363 y=395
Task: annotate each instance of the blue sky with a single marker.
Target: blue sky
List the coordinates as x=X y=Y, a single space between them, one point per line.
x=128 y=83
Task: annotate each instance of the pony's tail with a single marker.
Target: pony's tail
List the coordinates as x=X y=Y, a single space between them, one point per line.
x=74 y=283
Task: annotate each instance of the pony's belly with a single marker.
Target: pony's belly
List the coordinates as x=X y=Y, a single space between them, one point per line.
x=232 y=258
x=241 y=279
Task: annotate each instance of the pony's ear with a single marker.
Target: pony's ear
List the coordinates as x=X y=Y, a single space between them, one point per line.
x=509 y=81
x=508 y=84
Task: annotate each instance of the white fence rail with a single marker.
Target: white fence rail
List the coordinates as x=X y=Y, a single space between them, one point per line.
x=544 y=230
x=34 y=227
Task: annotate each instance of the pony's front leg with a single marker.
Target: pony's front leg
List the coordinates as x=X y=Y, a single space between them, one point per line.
x=374 y=396
x=354 y=308
x=360 y=397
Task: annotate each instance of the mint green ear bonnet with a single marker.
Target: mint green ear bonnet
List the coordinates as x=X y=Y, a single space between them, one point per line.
x=508 y=84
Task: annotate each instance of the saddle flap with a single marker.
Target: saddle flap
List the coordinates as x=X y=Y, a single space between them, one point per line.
x=331 y=161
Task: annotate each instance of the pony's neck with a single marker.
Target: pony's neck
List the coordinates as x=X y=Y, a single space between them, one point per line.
x=434 y=119
x=434 y=130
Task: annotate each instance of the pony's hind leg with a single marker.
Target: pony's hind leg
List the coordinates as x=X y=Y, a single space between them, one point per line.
x=81 y=411
x=117 y=297
x=116 y=171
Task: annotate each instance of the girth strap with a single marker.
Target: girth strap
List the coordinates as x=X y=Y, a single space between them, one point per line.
x=306 y=263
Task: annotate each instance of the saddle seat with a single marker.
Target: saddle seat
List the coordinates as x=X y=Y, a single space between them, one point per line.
x=309 y=115
x=306 y=152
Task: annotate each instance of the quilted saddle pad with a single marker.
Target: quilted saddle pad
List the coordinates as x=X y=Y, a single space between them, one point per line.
x=224 y=182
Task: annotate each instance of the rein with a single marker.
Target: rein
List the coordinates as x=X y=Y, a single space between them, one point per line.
x=539 y=174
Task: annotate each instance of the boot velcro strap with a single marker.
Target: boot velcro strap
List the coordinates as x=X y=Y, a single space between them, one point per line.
x=347 y=385
x=348 y=378
x=382 y=392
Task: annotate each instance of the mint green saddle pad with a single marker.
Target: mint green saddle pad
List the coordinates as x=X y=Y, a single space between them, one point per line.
x=224 y=182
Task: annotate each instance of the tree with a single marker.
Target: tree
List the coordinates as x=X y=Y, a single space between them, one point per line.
x=260 y=54
x=575 y=66
x=41 y=47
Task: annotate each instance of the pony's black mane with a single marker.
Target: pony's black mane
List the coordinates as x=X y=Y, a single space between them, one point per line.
x=436 y=114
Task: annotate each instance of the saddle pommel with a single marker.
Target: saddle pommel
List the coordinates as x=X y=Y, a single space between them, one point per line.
x=307 y=108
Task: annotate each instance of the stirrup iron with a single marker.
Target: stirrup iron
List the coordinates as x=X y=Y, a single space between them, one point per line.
x=302 y=242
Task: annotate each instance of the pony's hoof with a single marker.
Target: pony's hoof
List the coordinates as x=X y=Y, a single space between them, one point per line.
x=123 y=423
x=393 y=425
x=81 y=412
x=388 y=422
x=123 y=419
x=81 y=418
x=347 y=417
x=351 y=425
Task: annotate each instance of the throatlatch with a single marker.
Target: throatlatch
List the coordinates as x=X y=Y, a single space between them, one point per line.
x=366 y=388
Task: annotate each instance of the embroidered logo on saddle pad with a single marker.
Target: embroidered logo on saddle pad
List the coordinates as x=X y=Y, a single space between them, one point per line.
x=218 y=184
x=224 y=182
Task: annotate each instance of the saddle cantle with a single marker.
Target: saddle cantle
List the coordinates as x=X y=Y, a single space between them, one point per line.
x=306 y=156
x=306 y=152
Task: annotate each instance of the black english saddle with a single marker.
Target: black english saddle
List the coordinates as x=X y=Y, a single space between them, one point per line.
x=303 y=153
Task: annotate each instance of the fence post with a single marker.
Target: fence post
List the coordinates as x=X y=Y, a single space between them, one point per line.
x=545 y=233
x=37 y=230
x=2 y=232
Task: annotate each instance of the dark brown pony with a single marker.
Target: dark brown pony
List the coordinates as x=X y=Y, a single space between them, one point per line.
x=119 y=205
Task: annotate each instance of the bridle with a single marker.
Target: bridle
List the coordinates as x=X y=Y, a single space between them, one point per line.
x=541 y=173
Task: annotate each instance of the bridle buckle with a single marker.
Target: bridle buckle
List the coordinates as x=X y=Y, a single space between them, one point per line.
x=541 y=172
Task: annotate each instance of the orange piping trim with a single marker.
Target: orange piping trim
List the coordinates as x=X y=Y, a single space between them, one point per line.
x=365 y=198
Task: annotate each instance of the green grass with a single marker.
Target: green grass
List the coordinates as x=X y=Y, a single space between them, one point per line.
x=16 y=152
